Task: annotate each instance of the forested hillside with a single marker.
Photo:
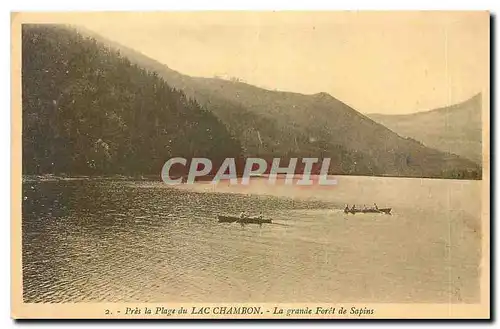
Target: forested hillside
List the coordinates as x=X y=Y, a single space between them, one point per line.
x=87 y=109
x=283 y=124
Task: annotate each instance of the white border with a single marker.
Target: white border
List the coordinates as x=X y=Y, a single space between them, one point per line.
x=149 y=5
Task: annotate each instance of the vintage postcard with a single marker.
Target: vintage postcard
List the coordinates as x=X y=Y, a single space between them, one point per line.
x=277 y=165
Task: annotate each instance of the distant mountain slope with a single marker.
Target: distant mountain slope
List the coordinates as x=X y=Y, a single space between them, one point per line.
x=272 y=123
x=455 y=129
x=86 y=109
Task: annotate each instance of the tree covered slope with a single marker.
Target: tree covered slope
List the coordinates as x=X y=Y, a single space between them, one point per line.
x=273 y=123
x=87 y=109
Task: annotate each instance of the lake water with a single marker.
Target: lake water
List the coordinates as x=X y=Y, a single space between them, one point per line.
x=141 y=241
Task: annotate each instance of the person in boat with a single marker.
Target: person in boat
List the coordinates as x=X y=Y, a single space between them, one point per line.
x=376 y=207
x=346 y=209
x=353 y=207
x=243 y=214
x=260 y=216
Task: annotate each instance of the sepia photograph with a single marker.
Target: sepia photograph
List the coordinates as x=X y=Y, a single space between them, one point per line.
x=254 y=165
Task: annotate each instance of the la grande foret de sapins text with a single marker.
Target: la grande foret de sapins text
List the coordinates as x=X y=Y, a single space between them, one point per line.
x=230 y=310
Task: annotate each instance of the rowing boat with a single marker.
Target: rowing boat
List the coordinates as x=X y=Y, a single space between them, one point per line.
x=386 y=211
x=244 y=220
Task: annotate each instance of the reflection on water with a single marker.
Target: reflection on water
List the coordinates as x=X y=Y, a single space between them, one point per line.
x=122 y=241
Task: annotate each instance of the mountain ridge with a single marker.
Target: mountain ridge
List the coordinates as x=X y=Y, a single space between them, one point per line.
x=284 y=124
x=456 y=128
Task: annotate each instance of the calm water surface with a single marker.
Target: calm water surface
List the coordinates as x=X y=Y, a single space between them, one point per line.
x=125 y=241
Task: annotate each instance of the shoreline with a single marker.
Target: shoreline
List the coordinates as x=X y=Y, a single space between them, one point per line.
x=59 y=177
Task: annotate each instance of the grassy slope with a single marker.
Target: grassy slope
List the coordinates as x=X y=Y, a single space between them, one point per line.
x=455 y=129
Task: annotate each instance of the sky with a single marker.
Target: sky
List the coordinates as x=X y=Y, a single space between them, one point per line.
x=377 y=62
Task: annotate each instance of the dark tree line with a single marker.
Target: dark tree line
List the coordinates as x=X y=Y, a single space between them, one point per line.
x=86 y=109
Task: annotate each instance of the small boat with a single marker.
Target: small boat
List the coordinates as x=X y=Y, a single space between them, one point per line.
x=386 y=211
x=244 y=220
